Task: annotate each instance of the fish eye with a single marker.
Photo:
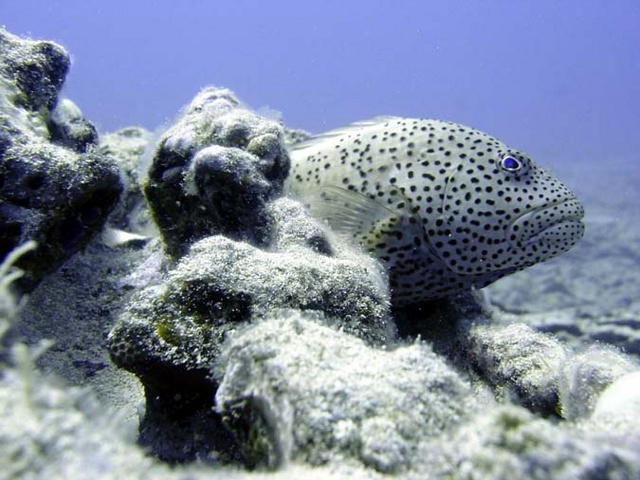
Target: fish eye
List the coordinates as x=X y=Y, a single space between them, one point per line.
x=510 y=164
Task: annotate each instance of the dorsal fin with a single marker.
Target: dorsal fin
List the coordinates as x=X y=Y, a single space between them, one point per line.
x=317 y=142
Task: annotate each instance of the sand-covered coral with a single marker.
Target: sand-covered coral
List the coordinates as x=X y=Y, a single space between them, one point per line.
x=55 y=189
x=214 y=170
x=272 y=255
x=286 y=395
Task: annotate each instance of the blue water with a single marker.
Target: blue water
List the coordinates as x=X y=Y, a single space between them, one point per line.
x=559 y=79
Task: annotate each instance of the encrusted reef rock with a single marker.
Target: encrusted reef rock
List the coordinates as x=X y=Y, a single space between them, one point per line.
x=509 y=442
x=526 y=365
x=69 y=128
x=214 y=171
x=240 y=251
x=363 y=403
x=37 y=70
x=588 y=375
x=128 y=147
x=173 y=333
x=54 y=187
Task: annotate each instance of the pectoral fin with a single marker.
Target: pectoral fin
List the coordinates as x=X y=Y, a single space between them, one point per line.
x=350 y=213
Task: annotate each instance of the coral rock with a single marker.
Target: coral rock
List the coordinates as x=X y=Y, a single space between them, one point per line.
x=214 y=171
x=54 y=188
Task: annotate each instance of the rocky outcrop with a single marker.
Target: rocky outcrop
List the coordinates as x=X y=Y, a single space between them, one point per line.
x=55 y=188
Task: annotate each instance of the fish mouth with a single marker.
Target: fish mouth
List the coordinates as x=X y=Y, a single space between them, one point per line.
x=558 y=222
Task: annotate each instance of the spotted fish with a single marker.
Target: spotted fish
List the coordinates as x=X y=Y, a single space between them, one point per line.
x=445 y=207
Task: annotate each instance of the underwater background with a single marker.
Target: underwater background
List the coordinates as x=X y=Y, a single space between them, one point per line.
x=557 y=79
x=185 y=349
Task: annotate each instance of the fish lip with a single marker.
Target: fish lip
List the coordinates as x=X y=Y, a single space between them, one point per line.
x=519 y=238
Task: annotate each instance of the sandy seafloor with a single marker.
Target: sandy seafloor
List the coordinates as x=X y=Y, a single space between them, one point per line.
x=591 y=293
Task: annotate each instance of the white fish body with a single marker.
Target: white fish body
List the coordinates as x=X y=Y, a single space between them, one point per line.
x=445 y=207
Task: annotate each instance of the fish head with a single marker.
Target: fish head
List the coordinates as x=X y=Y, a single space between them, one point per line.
x=500 y=213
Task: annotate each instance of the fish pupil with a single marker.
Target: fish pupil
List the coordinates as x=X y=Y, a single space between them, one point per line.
x=510 y=164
